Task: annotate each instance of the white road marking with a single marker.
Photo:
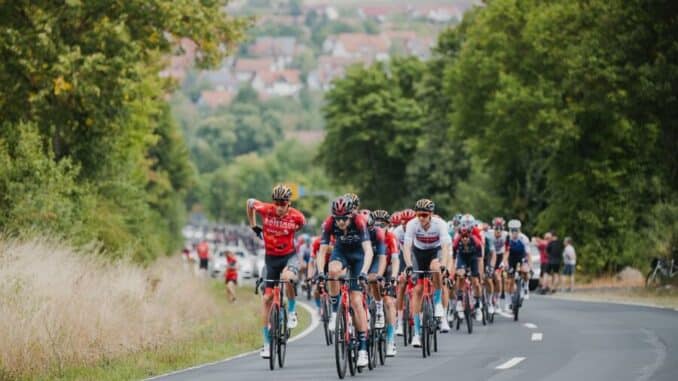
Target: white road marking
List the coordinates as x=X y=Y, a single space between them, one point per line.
x=537 y=336
x=510 y=363
x=530 y=325
x=504 y=314
x=315 y=321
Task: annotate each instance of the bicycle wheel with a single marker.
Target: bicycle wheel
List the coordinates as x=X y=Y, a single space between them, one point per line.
x=273 y=322
x=468 y=313
x=435 y=335
x=341 y=346
x=325 y=318
x=431 y=328
x=371 y=338
x=282 y=338
x=516 y=299
x=407 y=328
x=484 y=310
x=382 y=347
x=424 y=328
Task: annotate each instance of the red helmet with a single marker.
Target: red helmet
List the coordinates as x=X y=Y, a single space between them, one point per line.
x=367 y=214
x=498 y=223
x=465 y=230
x=342 y=206
x=395 y=219
x=406 y=215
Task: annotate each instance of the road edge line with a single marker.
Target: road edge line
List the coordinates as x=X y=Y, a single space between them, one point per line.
x=315 y=321
x=630 y=303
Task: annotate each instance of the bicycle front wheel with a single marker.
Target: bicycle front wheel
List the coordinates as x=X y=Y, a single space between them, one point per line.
x=341 y=346
x=325 y=312
x=407 y=328
x=282 y=338
x=273 y=322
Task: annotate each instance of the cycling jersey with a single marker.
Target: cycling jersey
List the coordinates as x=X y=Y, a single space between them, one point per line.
x=517 y=247
x=399 y=233
x=231 y=271
x=426 y=239
x=352 y=239
x=498 y=242
x=203 y=250
x=391 y=246
x=378 y=238
x=278 y=230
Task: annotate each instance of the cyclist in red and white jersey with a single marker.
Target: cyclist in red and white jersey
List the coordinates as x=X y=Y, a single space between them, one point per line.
x=280 y=221
x=404 y=217
x=427 y=239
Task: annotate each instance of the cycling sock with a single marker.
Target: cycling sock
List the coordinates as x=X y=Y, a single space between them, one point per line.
x=292 y=305
x=267 y=338
x=477 y=301
x=417 y=324
x=437 y=296
x=335 y=302
x=317 y=302
x=362 y=337
x=389 y=333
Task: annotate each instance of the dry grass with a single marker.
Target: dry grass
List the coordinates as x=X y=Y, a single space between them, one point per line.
x=60 y=308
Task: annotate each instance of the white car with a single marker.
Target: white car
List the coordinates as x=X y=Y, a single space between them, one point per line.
x=246 y=262
x=260 y=263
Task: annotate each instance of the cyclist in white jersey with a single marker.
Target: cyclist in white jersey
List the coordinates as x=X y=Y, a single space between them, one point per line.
x=499 y=237
x=427 y=238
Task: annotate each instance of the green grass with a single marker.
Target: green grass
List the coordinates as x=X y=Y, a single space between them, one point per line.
x=662 y=297
x=237 y=330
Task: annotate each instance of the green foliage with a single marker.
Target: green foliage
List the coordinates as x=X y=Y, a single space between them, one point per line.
x=559 y=113
x=79 y=81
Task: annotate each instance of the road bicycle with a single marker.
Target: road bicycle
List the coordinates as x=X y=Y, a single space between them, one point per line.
x=468 y=304
x=325 y=311
x=346 y=344
x=429 y=322
x=662 y=271
x=517 y=296
x=408 y=317
x=377 y=336
x=279 y=333
x=486 y=298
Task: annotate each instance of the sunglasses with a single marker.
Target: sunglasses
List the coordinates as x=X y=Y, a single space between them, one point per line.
x=514 y=230
x=341 y=218
x=424 y=215
x=281 y=203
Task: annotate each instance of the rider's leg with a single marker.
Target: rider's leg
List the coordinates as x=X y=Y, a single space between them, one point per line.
x=336 y=270
x=360 y=317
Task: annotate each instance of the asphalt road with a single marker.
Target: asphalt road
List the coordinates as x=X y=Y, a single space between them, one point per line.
x=554 y=340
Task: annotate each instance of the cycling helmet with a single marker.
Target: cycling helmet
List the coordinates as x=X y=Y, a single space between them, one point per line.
x=395 y=219
x=450 y=225
x=367 y=215
x=380 y=215
x=424 y=205
x=498 y=223
x=342 y=206
x=355 y=200
x=514 y=224
x=467 y=220
x=281 y=192
x=406 y=215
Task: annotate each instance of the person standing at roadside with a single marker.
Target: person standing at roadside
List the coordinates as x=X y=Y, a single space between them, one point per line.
x=555 y=253
x=570 y=260
x=203 y=250
x=231 y=275
x=543 y=260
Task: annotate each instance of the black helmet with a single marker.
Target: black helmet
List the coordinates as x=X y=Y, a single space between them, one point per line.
x=424 y=205
x=281 y=192
x=381 y=215
x=355 y=200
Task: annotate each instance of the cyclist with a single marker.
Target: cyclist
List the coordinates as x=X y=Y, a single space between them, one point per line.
x=376 y=272
x=468 y=249
x=489 y=264
x=499 y=237
x=403 y=218
x=353 y=252
x=381 y=219
x=427 y=238
x=280 y=222
x=517 y=246
x=311 y=271
x=355 y=201
x=304 y=251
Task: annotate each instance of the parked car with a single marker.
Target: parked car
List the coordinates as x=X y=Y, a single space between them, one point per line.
x=260 y=262
x=246 y=262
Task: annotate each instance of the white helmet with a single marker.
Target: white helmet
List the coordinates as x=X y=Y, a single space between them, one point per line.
x=467 y=221
x=514 y=224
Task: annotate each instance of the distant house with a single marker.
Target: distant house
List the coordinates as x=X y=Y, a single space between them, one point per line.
x=380 y=13
x=358 y=45
x=245 y=68
x=216 y=98
x=329 y=68
x=329 y=11
x=281 y=49
x=437 y=13
x=281 y=83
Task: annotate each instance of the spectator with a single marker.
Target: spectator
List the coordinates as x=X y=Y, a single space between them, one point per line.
x=543 y=260
x=570 y=260
x=555 y=253
x=203 y=250
x=231 y=275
